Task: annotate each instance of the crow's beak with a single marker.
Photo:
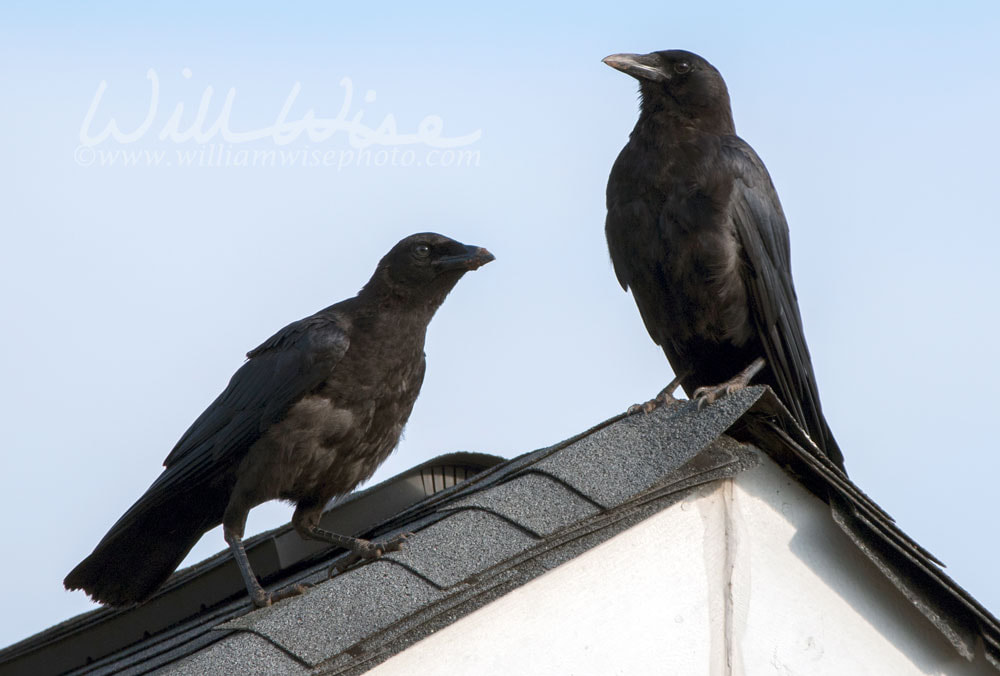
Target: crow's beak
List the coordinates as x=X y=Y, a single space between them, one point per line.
x=474 y=257
x=639 y=66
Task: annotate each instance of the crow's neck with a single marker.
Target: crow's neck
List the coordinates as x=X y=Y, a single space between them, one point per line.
x=405 y=310
x=662 y=118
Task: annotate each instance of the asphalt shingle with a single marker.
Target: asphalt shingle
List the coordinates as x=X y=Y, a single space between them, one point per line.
x=536 y=502
x=243 y=653
x=631 y=455
x=333 y=616
x=461 y=546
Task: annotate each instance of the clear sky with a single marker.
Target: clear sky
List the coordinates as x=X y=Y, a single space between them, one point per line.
x=131 y=293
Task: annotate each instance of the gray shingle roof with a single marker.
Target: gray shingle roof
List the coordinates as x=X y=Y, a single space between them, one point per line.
x=478 y=539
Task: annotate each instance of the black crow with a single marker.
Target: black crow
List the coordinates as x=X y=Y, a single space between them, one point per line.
x=696 y=231
x=311 y=414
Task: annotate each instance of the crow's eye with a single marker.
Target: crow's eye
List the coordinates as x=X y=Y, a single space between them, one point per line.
x=682 y=67
x=421 y=251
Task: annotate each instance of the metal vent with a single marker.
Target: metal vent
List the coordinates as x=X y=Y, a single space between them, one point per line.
x=439 y=477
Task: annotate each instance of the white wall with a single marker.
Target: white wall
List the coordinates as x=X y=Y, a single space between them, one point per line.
x=749 y=576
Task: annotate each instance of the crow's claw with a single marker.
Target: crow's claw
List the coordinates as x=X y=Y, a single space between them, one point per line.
x=368 y=550
x=264 y=599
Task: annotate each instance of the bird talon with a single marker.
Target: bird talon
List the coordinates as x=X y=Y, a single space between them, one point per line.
x=368 y=551
x=708 y=396
x=341 y=566
x=647 y=407
x=394 y=544
x=644 y=408
x=265 y=598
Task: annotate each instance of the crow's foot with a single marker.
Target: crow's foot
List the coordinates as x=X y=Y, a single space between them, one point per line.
x=262 y=599
x=368 y=550
x=710 y=394
x=664 y=398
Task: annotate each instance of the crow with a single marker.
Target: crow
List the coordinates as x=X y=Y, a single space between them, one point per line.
x=314 y=410
x=696 y=231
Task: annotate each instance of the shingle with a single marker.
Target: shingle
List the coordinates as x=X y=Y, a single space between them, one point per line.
x=154 y=655
x=333 y=616
x=631 y=455
x=462 y=545
x=240 y=653
x=534 y=501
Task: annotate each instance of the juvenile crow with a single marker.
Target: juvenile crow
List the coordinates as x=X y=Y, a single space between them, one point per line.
x=312 y=413
x=696 y=231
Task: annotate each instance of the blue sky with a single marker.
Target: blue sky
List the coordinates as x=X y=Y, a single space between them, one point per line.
x=130 y=293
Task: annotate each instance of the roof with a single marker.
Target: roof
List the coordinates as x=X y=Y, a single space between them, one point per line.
x=475 y=540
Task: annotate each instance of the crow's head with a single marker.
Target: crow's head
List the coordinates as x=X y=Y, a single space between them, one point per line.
x=681 y=84
x=428 y=265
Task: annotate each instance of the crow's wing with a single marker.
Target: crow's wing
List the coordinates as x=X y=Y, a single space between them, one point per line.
x=634 y=244
x=763 y=232
x=618 y=225
x=278 y=373
x=286 y=367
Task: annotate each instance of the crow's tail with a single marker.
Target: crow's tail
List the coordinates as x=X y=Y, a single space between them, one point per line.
x=146 y=545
